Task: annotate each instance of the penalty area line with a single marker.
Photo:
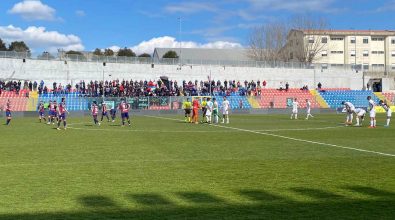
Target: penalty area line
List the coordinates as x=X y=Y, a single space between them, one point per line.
x=290 y=138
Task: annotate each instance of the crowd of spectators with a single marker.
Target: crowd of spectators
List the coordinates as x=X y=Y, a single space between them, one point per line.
x=130 y=88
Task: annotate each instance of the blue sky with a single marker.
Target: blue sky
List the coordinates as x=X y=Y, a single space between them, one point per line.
x=143 y=25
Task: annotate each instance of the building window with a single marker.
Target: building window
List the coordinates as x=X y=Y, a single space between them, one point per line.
x=352 y=40
x=365 y=40
x=377 y=65
x=337 y=52
x=324 y=40
x=311 y=40
x=324 y=53
x=393 y=53
x=365 y=53
x=291 y=55
x=392 y=40
x=393 y=66
x=365 y=66
x=377 y=39
x=337 y=38
x=378 y=52
x=352 y=53
x=324 y=66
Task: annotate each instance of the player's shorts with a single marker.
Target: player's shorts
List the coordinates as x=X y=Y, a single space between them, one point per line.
x=62 y=116
x=204 y=110
x=94 y=116
x=41 y=114
x=389 y=113
x=225 y=112
x=215 y=112
x=308 y=111
x=125 y=114
x=187 y=111
x=51 y=113
x=361 y=113
x=104 y=113
x=208 y=112
x=372 y=113
x=294 y=111
x=352 y=109
x=195 y=112
x=8 y=113
x=113 y=111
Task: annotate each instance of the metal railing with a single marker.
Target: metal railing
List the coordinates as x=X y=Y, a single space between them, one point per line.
x=201 y=62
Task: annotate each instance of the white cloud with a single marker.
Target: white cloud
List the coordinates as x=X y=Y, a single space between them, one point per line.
x=80 y=13
x=292 y=5
x=33 y=10
x=190 y=7
x=171 y=42
x=39 y=39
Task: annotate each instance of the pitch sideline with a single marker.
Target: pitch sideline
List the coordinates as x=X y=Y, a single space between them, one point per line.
x=288 y=138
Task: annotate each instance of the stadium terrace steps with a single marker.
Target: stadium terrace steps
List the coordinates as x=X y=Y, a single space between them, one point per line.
x=18 y=99
x=236 y=101
x=389 y=97
x=253 y=102
x=334 y=98
x=319 y=99
x=273 y=98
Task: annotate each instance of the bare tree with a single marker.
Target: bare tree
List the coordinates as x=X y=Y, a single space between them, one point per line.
x=298 y=38
x=266 y=41
x=312 y=43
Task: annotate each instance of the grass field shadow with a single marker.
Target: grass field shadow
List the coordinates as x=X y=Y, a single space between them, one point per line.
x=203 y=205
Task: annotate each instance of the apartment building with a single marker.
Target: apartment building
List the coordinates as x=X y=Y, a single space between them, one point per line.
x=370 y=50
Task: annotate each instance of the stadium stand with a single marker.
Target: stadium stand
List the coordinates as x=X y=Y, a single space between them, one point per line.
x=274 y=98
x=334 y=98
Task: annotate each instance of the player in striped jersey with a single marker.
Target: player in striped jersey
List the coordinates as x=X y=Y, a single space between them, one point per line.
x=113 y=112
x=62 y=110
x=51 y=112
x=124 y=108
x=95 y=112
x=372 y=112
x=41 y=112
x=8 y=112
x=104 y=112
x=388 y=110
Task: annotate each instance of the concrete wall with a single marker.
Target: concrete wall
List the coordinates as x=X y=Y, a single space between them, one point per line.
x=61 y=72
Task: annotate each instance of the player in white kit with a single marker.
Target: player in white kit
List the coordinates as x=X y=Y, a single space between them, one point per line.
x=209 y=110
x=225 y=110
x=360 y=113
x=388 y=110
x=350 y=109
x=215 y=110
x=372 y=112
x=308 y=109
x=295 y=106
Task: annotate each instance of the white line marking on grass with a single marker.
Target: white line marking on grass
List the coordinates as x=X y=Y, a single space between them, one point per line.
x=156 y=131
x=291 y=138
x=301 y=129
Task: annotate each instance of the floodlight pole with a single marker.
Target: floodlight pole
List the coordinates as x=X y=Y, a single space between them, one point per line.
x=180 y=39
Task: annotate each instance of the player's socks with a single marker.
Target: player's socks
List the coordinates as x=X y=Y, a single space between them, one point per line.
x=357 y=122
x=8 y=121
x=374 y=123
x=388 y=122
x=64 y=124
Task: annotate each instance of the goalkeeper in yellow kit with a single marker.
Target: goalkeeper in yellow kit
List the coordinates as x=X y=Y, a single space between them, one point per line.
x=187 y=106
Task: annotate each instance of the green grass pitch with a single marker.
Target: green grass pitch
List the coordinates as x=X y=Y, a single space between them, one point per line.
x=257 y=167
